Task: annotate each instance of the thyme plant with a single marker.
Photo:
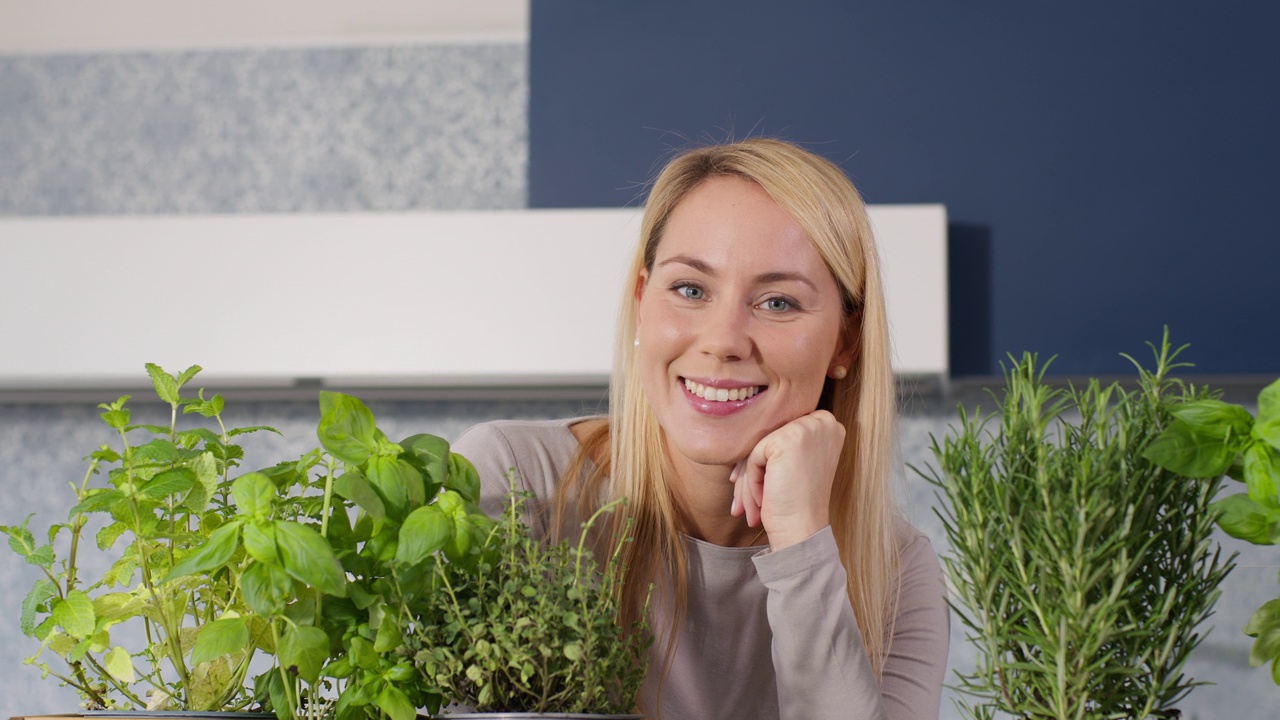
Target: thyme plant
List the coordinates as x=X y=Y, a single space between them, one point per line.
x=535 y=628
x=1081 y=570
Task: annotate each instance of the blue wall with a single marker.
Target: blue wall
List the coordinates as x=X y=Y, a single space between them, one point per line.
x=1108 y=168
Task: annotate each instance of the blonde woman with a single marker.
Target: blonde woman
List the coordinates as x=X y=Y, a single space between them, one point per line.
x=751 y=428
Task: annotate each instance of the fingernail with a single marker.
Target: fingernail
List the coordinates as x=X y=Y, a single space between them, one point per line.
x=733 y=506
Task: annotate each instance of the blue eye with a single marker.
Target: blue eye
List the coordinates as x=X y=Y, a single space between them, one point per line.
x=692 y=292
x=777 y=304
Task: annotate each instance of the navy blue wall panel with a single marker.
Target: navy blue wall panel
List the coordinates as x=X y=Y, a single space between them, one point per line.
x=1108 y=168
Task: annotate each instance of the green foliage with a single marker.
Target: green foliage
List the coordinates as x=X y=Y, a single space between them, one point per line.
x=1209 y=438
x=327 y=564
x=167 y=521
x=533 y=629
x=1082 y=570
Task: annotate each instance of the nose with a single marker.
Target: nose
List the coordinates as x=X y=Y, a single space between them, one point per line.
x=726 y=331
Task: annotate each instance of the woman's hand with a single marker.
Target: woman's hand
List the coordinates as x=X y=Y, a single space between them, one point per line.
x=785 y=482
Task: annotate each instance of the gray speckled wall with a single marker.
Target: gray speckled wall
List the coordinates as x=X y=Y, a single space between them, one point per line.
x=284 y=130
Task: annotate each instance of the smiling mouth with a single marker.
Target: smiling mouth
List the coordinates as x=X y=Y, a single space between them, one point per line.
x=715 y=394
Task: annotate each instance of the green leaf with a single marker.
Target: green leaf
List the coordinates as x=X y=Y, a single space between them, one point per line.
x=433 y=452
x=265 y=588
x=108 y=535
x=1267 y=427
x=185 y=376
x=220 y=637
x=21 y=540
x=362 y=654
x=252 y=429
x=205 y=468
x=115 y=606
x=354 y=487
x=1244 y=519
x=42 y=556
x=303 y=650
x=254 y=494
x=116 y=415
x=397 y=482
x=463 y=478
x=168 y=482
x=97 y=500
x=214 y=553
x=41 y=592
x=1215 y=418
x=346 y=427
x=158 y=450
x=1265 y=627
x=396 y=704
x=192 y=437
x=424 y=532
x=1182 y=450
x=306 y=556
x=260 y=542
x=573 y=651
x=104 y=453
x=389 y=635
x=166 y=385
x=74 y=614
x=1262 y=472
x=119 y=665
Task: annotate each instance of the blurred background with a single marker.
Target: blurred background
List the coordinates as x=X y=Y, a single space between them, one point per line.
x=1107 y=170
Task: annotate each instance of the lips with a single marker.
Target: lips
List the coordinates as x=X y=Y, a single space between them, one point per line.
x=715 y=393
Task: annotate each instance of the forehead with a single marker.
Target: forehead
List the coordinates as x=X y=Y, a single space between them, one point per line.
x=731 y=223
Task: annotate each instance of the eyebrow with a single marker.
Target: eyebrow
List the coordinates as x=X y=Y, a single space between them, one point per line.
x=764 y=278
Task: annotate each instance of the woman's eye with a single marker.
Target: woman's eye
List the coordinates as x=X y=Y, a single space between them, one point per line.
x=692 y=292
x=776 y=304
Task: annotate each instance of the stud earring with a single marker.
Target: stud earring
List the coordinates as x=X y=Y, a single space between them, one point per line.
x=839 y=372
x=637 y=343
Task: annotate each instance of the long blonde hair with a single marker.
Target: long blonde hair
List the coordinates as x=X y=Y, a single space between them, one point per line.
x=818 y=196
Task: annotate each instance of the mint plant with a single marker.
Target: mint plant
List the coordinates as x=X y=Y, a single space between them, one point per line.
x=167 y=492
x=1082 y=570
x=1209 y=438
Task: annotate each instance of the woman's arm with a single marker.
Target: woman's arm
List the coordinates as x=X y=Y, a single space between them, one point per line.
x=819 y=658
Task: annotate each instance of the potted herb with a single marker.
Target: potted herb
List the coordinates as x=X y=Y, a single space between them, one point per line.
x=1208 y=438
x=533 y=631
x=166 y=513
x=284 y=565
x=331 y=568
x=1081 y=569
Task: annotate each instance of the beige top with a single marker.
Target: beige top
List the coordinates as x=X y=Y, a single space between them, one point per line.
x=768 y=634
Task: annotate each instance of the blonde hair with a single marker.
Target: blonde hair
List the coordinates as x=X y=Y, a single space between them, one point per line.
x=818 y=196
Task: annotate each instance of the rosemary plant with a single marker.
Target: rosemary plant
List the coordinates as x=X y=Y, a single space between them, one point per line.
x=1081 y=570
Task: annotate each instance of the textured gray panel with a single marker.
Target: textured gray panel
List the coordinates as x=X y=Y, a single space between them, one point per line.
x=276 y=130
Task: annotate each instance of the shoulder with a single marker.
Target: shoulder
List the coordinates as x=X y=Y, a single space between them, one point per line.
x=539 y=452
x=517 y=438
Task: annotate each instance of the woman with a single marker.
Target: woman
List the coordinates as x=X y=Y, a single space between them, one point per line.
x=751 y=429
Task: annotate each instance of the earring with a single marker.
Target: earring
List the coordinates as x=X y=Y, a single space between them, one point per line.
x=839 y=372
x=637 y=343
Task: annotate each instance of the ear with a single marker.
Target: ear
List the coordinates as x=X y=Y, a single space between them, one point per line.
x=641 y=280
x=850 y=345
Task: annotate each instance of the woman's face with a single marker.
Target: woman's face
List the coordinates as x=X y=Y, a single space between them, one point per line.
x=739 y=323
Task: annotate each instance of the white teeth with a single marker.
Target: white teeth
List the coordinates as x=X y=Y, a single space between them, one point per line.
x=720 y=394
